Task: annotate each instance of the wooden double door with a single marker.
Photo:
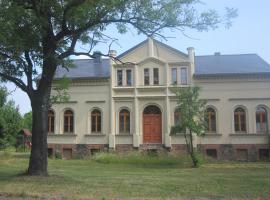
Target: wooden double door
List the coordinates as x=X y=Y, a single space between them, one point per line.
x=152 y=126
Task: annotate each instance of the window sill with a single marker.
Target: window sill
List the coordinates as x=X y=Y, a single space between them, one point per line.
x=179 y=85
x=95 y=135
x=123 y=87
x=248 y=134
x=124 y=134
x=64 y=134
x=150 y=86
x=212 y=134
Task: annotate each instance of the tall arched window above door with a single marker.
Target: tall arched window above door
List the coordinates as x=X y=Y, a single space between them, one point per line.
x=124 y=121
x=261 y=120
x=51 y=121
x=211 y=125
x=68 y=121
x=240 y=120
x=95 y=121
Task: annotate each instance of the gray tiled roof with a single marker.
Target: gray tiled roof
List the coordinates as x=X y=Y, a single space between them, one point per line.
x=225 y=65
x=230 y=64
x=85 y=68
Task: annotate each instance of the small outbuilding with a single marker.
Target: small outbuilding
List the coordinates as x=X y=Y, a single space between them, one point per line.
x=24 y=139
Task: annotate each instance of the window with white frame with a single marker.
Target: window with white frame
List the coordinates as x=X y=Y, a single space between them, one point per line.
x=174 y=76
x=119 y=77
x=128 y=77
x=96 y=121
x=124 y=77
x=261 y=120
x=183 y=74
x=240 y=120
x=156 y=76
x=146 y=76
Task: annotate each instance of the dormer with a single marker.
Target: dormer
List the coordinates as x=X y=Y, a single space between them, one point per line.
x=155 y=64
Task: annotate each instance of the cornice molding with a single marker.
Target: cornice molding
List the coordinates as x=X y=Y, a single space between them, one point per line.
x=248 y=99
x=66 y=102
x=95 y=101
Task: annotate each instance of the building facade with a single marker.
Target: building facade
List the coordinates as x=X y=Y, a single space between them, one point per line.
x=128 y=104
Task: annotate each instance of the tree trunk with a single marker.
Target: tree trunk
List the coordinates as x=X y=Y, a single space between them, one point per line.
x=38 y=159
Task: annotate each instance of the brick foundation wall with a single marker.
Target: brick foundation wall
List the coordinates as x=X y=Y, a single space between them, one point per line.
x=235 y=151
x=76 y=149
x=124 y=148
x=248 y=152
x=178 y=148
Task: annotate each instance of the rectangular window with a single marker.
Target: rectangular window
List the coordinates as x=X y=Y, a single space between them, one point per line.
x=156 y=76
x=183 y=76
x=146 y=77
x=174 y=76
x=119 y=77
x=128 y=77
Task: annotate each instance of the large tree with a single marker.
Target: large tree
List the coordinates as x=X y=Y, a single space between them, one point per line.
x=38 y=35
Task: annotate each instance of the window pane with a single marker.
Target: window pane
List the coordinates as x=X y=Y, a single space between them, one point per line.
x=52 y=125
x=66 y=124
x=121 y=123
x=119 y=77
x=156 y=76
x=177 y=117
x=261 y=120
x=174 y=76
x=213 y=122
x=128 y=77
x=71 y=124
x=236 y=122
x=183 y=76
x=127 y=124
x=99 y=124
x=146 y=77
x=93 y=124
x=243 y=122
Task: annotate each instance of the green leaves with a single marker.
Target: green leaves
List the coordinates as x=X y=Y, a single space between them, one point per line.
x=192 y=109
x=61 y=91
x=10 y=124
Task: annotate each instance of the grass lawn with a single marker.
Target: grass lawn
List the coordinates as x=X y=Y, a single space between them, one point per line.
x=111 y=177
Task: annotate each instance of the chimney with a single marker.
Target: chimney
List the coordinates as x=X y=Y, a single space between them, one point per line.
x=113 y=53
x=97 y=57
x=191 y=56
x=217 y=54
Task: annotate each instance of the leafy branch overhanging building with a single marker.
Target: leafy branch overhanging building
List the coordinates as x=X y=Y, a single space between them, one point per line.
x=131 y=106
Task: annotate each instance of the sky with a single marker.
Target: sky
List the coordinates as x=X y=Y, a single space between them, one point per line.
x=250 y=33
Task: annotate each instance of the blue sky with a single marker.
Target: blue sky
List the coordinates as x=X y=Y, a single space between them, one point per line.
x=250 y=33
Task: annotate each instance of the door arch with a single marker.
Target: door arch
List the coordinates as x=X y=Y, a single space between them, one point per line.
x=152 y=125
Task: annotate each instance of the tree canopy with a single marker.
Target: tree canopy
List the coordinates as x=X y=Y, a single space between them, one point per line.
x=36 y=36
x=10 y=120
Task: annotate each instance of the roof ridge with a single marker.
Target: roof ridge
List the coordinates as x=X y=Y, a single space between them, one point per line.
x=241 y=54
x=89 y=59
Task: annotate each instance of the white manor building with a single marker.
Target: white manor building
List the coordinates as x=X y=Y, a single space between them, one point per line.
x=129 y=105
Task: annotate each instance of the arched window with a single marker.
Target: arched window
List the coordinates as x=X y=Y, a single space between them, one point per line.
x=124 y=121
x=240 y=120
x=96 y=121
x=261 y=120
x=211 y=120
x=50 y=121
x=177 y=117
x=68 y=121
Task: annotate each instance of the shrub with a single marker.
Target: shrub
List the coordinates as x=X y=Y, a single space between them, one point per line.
x=143 y=159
